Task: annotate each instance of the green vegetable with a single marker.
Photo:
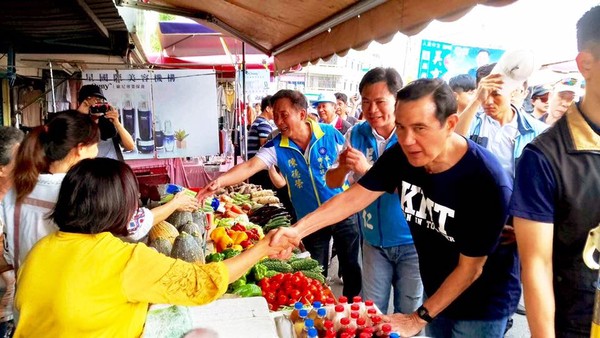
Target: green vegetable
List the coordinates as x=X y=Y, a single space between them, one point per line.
x=214 y=257
x=259 y=271
x=248 y=290
x=271 y=273
x=270 y=227
x=314 y=275
x=228 y=253
x=278 y=266
x=304 y=264
x=237 y=284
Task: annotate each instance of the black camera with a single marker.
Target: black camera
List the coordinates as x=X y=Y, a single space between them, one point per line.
x=100 y=109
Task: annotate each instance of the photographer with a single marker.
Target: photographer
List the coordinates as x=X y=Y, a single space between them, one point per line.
x=112 y=133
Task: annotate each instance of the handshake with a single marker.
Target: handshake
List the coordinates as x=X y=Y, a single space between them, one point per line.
x=280 y=242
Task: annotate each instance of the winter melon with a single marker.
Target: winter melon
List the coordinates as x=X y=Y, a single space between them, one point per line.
x=162 y=245
x=163 y=230
x=186 y=248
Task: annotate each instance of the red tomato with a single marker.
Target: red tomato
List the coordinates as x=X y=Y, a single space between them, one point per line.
x=264 y=284
x=277 y=278
x=295 y=295
x=309 y=298
x=270 y=296
x=283 y=299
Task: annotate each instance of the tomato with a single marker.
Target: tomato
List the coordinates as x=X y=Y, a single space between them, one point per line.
x=283 y=299
x=277 y=278
x=309 y=298
x=264 y=284
x=295 y=295
x=272 y=307
x=270 y=296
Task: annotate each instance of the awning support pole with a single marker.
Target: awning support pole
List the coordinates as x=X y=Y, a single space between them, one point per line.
x=52 y=86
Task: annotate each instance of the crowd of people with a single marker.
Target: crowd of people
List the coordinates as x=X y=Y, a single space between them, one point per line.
x=453 y=197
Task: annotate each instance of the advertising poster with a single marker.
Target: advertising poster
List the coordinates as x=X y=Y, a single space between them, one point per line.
x=445 y=60
x=257 y=84
x=169 y=113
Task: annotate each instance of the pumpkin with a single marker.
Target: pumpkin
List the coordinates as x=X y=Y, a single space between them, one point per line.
x=179 y=218
x=199 y=218
x=192 y=229
x=162 y=245
x=163 y=230
x=186 y=248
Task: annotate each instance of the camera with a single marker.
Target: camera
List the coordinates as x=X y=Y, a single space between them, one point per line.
x=100 y=109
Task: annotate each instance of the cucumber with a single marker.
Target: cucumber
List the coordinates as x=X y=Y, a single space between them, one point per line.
x=314 y=275
x=304 y=264
x=278 y=266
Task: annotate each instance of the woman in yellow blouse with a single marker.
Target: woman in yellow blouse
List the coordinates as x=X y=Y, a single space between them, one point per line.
x=83 y=281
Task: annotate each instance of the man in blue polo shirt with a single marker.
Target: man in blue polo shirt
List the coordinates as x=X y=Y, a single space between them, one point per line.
x=389 y=256
x=303 y=151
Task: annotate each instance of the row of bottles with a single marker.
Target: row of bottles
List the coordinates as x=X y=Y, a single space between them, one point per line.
x=343 y=320
x=150 y=133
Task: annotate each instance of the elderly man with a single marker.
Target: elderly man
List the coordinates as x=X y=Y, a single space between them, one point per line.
x=563 y=94
x=326 y=106
x=389 y=256
x=441 y=178
x=555 y=205
x=342 y=108
x=303 y=151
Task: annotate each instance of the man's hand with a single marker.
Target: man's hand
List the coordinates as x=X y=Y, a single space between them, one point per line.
x=406 y=325
x=113 y=116
x=356 y=161
x=280 y=246
x=487 y=85
x=208 y=190
x=185 y=202
x=289 y=238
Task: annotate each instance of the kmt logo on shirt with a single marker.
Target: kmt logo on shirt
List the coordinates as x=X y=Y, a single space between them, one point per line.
x=429 y=214
x=322 y=151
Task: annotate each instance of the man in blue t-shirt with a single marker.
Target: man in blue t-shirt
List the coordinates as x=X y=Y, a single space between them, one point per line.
x=454 y=194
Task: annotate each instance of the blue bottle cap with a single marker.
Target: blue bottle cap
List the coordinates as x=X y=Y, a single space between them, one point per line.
x=215 y=203
x=309 y=322
x=312 y=333
x=394 y=335
x=322 y=312
x=316 y=304
x=298 y=306
x=303 y=313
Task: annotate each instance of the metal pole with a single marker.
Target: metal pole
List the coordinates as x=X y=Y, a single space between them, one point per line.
x=244 y=144
x=52 y=86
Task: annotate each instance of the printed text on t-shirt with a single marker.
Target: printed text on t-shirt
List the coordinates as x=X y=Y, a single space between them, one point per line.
x=420 y=210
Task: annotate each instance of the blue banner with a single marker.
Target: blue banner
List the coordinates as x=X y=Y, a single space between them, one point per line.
x=445 y=60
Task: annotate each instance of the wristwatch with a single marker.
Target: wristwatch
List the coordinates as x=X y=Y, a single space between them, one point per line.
x=423 y=313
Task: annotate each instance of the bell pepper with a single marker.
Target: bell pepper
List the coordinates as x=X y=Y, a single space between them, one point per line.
x=228 y=253
x=214 y=257
x=237 y=247
x=259 y=271
x=248 y=290
x=246 y=244
x=238 y=227
x=237 y=284
x=221 y=239
x=238 y=237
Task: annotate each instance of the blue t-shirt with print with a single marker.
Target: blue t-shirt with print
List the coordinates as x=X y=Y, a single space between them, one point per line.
x=461 y=210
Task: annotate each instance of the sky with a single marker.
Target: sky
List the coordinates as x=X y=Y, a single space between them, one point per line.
x=547 y=27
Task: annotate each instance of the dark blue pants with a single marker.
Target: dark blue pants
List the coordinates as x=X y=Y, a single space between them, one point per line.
x=346 y=241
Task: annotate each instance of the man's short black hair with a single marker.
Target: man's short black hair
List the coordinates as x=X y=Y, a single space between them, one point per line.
x=484 y=71
x=442 y=95
x=588 y=31
x=390 y=76
x=297 y=98
x=462 y=83
x=342 y=97
x=97 y=195
x=265 y=102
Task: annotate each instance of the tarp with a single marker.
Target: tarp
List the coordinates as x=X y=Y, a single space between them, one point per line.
x=298 y=32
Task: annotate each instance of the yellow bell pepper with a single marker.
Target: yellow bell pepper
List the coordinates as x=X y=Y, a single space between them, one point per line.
x=238 y=237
